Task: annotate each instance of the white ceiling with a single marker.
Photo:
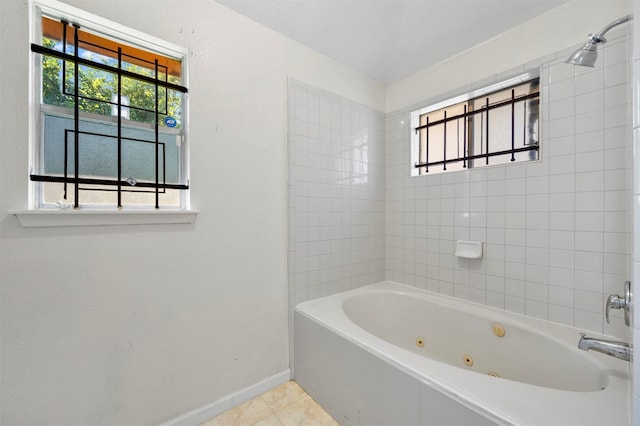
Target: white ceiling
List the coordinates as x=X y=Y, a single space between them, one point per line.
x=390 y=39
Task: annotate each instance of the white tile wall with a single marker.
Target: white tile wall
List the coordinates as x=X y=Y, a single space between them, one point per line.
x=336 y=193
x=635 y=84
x=555 y=232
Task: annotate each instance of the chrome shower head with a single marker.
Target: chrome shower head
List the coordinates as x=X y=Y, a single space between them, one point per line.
x=588 y=54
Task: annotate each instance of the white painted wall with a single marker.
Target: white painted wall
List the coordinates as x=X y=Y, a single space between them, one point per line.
x=137 y=325
x=557 y=29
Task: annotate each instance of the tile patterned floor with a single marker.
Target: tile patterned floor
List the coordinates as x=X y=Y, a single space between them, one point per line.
x=285 y=405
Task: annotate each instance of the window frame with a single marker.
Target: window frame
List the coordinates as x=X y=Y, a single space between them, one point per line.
x=61 y=11
x=465 y=97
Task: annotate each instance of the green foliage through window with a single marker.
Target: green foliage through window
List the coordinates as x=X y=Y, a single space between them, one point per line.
x=97 y=88
x=135 y=155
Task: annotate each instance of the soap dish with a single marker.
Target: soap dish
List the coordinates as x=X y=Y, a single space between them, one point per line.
x=469 y=249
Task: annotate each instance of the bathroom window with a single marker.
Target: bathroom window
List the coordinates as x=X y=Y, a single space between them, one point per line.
x=495 y=125
x=110 y=124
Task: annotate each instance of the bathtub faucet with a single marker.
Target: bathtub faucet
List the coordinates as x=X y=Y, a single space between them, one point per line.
x=615 y=349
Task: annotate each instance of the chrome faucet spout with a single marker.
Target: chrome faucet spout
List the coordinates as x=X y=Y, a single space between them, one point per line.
x=620 y=350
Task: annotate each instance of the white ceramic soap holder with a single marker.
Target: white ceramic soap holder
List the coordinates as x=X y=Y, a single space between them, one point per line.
x=469 y=249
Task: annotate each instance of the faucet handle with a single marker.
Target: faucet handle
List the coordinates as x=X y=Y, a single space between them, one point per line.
x=613 y=302
x=616 y=302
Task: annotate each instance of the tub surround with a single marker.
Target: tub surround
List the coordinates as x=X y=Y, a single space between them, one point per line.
x=336 y=193
x=556 y=232
x=357 y=376
x=555 y=237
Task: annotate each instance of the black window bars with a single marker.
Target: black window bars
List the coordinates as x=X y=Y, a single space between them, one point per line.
x=530 y=103
x=159 y=184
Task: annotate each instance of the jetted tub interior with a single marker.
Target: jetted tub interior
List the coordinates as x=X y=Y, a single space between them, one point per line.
x=474 y=342
x=390 y=354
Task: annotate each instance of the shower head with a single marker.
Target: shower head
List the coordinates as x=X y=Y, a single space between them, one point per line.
x=588 y=54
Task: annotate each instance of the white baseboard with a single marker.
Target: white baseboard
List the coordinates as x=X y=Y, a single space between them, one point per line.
x=206 y=412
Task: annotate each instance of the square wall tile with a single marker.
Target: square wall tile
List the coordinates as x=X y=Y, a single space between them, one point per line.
x=555 y=231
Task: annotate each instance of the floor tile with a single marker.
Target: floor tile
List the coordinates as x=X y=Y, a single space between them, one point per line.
x=283 y=395
x=285 y=405
x=305 y=412
x=246 y=414
x=272 y=420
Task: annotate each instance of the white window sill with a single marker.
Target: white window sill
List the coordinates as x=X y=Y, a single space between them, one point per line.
x=63 y=218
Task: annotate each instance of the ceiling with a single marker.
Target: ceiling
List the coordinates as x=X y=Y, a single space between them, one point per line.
x=390 y=39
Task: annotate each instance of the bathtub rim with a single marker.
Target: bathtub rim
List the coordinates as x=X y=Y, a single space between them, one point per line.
x=476 y=391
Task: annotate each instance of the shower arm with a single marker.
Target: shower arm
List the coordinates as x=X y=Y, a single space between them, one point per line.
x=599 y=37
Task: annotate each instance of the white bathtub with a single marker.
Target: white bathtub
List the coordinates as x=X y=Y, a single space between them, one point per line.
x=389 y=354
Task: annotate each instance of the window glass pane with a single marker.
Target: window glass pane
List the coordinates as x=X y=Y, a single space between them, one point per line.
x=104 y=50
x=499 y=127
x=120 y=100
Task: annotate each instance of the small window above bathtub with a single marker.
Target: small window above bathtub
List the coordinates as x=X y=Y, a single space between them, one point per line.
x=493 y=125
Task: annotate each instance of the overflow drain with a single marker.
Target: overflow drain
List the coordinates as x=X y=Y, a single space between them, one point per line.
x=420 y=342
x=468 y=360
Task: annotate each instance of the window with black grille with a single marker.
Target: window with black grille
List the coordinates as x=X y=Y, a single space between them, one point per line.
x=112 y=121
x=495 y=125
